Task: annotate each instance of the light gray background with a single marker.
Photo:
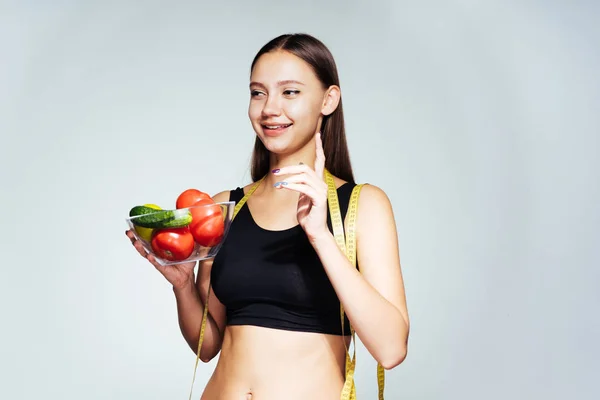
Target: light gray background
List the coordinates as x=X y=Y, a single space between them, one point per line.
x=478 y=118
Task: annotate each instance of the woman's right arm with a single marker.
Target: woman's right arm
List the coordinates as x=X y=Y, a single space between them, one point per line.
x=191 y=299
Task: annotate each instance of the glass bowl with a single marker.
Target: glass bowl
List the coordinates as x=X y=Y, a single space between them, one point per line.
x=183 y=235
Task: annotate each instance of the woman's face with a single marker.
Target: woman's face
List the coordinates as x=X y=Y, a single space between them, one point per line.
x=286 y=102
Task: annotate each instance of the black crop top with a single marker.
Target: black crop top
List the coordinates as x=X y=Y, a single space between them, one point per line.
x=274 y=278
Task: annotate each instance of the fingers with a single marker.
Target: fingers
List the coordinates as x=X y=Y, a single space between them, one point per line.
x=137 y=244
x=308 y=184
x=297 y=169
x=317 y=199
x=140 y=249
x=156 y=264
x=319 y=168
x=130 y=234
x=308 y=179
x=320 y=156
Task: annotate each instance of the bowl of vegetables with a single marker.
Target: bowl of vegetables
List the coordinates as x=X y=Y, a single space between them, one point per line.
x=194 y=230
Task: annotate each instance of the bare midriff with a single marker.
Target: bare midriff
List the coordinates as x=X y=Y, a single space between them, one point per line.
x=269 y=364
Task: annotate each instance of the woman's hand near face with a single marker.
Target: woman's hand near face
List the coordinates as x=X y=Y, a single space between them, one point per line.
x=310 y=183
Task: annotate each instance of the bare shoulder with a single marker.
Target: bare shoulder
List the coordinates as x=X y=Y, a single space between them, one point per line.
x=375 y=215
x=221 y=196
x=370 y=196
x=374 y=196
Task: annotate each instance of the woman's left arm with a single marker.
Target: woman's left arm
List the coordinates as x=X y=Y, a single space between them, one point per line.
x=373 y=299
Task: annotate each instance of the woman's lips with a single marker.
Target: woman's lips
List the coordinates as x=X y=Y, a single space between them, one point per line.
x=275 y=129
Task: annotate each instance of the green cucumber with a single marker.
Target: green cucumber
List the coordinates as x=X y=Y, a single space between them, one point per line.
x=147 y=217
x=180 y=220
x=141 y=210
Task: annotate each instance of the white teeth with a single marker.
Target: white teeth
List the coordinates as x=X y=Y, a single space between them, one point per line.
x=275 y=126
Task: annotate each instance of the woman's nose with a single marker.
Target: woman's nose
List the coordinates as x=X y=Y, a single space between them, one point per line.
x=271 y=107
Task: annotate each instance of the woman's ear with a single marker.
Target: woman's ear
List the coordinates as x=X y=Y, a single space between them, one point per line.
x=331 y=99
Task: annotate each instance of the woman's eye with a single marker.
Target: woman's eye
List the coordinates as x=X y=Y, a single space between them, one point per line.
x=255 y=93
x=291 y=92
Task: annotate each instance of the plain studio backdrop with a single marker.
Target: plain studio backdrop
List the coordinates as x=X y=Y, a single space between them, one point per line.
x=479 y=119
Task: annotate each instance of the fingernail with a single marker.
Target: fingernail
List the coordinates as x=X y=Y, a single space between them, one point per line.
x=276 y=170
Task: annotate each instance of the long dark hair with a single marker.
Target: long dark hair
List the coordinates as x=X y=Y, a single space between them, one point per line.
x=333 y=132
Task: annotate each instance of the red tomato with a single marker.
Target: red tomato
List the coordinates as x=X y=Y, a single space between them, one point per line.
x=207 y=224
x=173 y=244
x=189 y=197
x=203 y=209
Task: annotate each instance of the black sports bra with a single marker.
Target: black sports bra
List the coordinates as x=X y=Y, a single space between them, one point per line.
x=275 y=279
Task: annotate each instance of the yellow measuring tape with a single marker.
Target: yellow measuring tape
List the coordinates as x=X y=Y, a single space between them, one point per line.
x=348 y=245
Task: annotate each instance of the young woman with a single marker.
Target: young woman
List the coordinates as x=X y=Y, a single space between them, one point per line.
x=279 y=278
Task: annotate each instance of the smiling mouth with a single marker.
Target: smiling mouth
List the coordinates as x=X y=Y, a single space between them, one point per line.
x=276 y=127
x=275 y=130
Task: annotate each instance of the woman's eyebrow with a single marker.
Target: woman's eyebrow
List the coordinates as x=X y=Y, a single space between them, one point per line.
x=280 y=83
x=288 y=82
